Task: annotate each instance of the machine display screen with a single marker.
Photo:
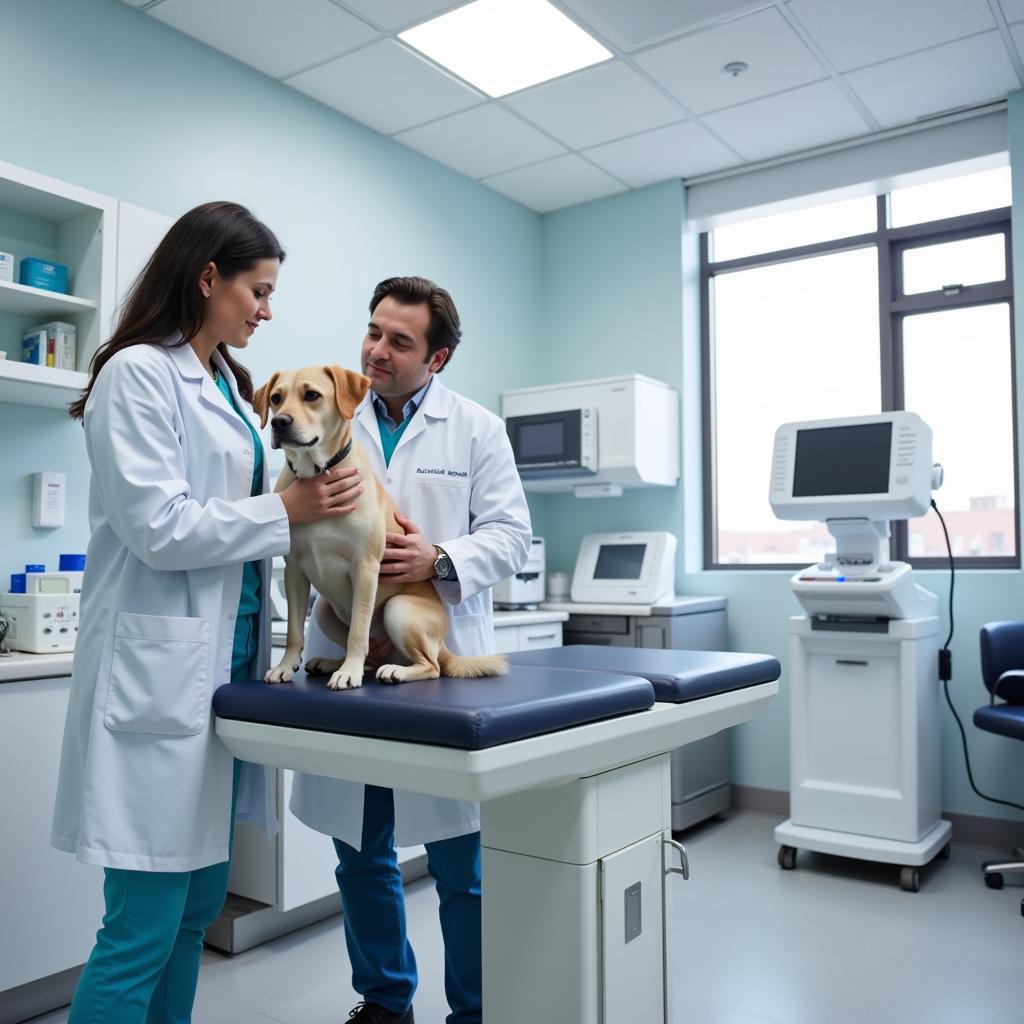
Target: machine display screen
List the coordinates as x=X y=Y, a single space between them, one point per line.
x=536 y=440
x=619 y=561
x=842 y=460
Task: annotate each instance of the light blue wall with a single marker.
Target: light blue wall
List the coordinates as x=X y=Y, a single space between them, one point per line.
x=621 y=295
x=137 y=111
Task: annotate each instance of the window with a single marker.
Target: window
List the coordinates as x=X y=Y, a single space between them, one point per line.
x=893 y=302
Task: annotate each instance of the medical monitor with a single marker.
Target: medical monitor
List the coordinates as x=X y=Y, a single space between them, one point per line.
x=625 y=568
x=871 y=467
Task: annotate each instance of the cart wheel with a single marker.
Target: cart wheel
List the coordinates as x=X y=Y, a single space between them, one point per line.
x=944 y=852
x=994 y=880
x=787 y=857
x=1022 y=908
x=910 y=879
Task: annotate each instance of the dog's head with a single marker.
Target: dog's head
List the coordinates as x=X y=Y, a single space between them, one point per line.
x=311 y=406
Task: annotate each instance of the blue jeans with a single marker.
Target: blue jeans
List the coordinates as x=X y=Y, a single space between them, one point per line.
x=383 y=964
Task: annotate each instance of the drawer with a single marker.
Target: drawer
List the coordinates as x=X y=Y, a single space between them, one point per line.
x=539 y=636
x=598 y=624
x=506 y=639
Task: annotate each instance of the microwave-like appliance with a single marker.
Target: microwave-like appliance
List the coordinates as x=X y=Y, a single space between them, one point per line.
x=562 y=443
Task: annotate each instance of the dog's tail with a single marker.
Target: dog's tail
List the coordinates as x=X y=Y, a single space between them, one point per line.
x=459 y=666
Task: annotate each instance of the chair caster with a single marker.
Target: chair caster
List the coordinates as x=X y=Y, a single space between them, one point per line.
x=910 y=879
x=994 y=880
x=787 y=857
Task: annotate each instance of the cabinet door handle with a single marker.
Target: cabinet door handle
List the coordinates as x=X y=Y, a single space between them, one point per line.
x=684 y=860
x=851 y=661
x=542 y=636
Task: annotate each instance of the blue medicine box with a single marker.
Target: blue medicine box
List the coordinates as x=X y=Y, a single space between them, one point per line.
x=39 y=273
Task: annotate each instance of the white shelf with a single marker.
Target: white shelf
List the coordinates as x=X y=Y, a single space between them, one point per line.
x=26 y=301
x=27 y=384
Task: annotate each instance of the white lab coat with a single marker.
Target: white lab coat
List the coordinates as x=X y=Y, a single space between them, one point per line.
x=144 y=782
x=454 y=475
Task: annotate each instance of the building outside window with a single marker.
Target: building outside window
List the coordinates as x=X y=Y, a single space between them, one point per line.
x=900 y=301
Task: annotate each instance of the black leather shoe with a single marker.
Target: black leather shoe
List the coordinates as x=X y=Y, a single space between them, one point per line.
x=371 y=1013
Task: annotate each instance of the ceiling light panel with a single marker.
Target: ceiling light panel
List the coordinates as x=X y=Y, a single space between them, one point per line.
x=502 y=46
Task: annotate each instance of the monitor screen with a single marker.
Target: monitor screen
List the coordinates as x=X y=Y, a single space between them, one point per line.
x=619 y=561
x=537 y=440
x=842 y=460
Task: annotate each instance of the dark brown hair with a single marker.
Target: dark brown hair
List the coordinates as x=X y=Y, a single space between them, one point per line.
x=444 y=330
x=165 y=297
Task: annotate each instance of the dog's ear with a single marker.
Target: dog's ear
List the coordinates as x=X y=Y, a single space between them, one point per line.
x=349 y=389
x=261 y=400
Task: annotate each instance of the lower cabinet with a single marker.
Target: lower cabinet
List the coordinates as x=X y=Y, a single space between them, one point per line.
x=51 y=905
x=531 y=637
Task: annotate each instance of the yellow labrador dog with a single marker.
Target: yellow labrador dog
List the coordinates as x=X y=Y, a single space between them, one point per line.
x=311 y=415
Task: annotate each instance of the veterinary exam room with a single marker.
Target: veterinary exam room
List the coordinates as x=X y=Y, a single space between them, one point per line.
x=511 y=512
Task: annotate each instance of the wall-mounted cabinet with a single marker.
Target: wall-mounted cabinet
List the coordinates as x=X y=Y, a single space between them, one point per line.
x=51 y=220
x=103 y=242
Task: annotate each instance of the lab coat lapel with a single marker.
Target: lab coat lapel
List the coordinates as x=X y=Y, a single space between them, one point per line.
x=188 y=365
x=434 y=406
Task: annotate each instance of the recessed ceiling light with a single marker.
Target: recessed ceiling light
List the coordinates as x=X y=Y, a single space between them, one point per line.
x=501 y=46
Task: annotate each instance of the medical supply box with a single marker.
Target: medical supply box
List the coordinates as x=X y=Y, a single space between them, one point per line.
x=37 y=273
x=54 y=344
x=6 y=266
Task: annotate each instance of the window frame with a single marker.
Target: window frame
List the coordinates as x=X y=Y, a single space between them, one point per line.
x=893 y=307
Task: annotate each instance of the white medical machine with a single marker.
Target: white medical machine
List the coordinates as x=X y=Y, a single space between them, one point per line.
x=594 y=437
x=625 y=568
x=44 y=621
x=864 y=689
x=526 y=588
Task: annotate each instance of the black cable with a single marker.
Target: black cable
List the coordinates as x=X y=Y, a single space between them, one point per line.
x=948 y=673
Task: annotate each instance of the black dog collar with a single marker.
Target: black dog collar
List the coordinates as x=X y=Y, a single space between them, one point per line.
x=330 y=464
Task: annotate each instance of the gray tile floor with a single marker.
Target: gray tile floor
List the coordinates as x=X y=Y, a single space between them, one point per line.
x=834 y=942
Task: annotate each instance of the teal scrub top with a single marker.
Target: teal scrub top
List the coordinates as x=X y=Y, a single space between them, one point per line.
x=246 y=641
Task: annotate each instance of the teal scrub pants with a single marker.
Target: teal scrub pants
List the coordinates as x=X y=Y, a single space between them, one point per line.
x=144 y=967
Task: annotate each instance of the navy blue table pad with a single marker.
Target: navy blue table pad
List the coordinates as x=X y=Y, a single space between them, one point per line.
x=470 y=714
x=677 y=676
x=1004 y=719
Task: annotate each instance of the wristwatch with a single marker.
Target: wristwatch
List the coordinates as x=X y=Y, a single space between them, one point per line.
x=442 y=564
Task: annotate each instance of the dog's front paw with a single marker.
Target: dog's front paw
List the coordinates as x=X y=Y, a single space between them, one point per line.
x=348 y=677
x=323 y=666
x=397 y=673
x=282 y=672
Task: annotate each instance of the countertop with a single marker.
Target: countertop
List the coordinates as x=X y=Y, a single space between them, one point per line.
x=17 y=666
x=675 y=606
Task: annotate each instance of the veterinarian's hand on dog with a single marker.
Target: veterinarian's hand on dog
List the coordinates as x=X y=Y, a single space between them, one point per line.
x=330 y=494
x=408 y=557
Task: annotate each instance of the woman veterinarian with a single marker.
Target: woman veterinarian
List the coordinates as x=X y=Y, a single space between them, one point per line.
x=171 y=608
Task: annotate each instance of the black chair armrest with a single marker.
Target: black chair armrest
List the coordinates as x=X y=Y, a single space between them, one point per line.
x=1009 y=686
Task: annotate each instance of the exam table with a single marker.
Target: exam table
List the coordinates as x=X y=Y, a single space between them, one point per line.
x=569 y=756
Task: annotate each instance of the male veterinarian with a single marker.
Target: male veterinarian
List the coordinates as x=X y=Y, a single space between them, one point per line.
x=448 y=466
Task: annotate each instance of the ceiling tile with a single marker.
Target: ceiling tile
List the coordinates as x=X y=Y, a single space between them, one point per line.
x=387 y=87
x=676 y=151
x=277 y=39
x=812 y=115
x=481 y=141
x=691 y=68
x=1013 y=10
x=867 y=31
x=596 y=105
x=396 y=14
x=644 y=22
x=564 y=181
x=958 y=74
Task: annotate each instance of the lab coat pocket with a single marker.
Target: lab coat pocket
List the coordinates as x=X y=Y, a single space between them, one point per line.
x=159 y=675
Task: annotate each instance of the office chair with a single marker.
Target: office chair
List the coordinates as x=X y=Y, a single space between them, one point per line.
x=1002 y=669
